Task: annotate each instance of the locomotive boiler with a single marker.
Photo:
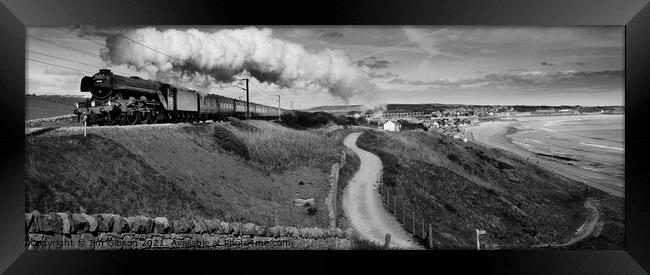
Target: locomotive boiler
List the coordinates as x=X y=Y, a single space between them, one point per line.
x=118 y=100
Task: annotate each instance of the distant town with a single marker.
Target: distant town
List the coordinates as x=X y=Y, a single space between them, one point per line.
x=451 y=119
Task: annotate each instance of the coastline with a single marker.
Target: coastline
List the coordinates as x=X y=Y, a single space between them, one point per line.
x=497 y=134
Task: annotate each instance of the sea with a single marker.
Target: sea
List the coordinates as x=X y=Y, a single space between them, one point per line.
x=593 y=142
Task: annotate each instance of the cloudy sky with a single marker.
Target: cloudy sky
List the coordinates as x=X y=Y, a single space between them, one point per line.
x=314 y=66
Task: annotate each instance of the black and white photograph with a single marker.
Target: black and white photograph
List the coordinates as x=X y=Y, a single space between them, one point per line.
x=336 y=137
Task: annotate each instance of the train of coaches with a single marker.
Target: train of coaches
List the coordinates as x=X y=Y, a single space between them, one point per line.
x=120 y=100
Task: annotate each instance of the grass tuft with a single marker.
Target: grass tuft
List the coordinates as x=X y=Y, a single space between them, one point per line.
x=272 y=147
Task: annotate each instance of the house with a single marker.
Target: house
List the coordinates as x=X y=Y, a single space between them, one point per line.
x=391 y=126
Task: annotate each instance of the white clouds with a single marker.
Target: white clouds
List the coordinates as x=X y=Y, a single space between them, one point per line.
x=528 y=79
x=531 y=73
x=223 y=54
x=465 y=40
x=424 y=40
x=374 y=62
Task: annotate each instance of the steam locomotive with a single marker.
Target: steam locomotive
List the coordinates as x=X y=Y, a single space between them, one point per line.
x=120 y=100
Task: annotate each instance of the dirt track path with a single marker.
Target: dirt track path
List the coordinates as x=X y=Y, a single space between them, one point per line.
x=362 y=203
x=585 y=230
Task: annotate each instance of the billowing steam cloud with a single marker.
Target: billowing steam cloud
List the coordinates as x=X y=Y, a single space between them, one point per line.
x=222 y=55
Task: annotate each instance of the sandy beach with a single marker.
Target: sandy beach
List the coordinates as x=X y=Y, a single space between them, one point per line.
x=580 y=156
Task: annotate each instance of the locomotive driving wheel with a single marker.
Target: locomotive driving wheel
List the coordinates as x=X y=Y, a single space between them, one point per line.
x=153 y=117
x=143 y=117
x=133 y=118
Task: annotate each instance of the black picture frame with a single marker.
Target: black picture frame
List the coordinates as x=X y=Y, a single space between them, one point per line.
x=634 y=15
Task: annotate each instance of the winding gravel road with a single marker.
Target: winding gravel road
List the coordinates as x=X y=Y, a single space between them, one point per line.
x=363 y=205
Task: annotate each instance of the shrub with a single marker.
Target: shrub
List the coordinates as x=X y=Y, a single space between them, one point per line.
x=228 y=141
x=311 y=210
x=273 y=147
x=303 y=120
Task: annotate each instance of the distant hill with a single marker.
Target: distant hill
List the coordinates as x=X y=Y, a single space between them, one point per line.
x=336 y=108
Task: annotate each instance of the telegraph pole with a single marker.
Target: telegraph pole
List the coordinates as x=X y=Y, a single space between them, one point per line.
x=248 y=114
x=279 y=114
x=291 y=105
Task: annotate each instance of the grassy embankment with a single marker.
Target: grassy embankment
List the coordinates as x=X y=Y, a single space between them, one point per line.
x=94 y=173
x=240 y=171
x=463 y=186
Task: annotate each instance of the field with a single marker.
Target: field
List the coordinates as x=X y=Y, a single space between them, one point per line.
x=49 y=106
x=249 y=171
x=464 y=186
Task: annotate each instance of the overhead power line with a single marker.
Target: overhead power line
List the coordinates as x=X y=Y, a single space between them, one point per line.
x=266 y=93
x=72 y=61
x=254 y=84
x=65 y=46
x=143 y=45
x=61 y=58
x=79 y=36
x=55 y=65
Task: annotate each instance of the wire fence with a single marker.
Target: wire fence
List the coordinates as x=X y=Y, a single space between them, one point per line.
x=413 y=220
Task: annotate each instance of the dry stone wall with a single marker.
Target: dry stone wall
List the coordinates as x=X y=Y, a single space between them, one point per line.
x=53 y=231
x=38 y=121
x=333 y=179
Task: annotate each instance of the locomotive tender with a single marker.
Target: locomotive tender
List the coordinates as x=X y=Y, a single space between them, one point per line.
x=120 y=100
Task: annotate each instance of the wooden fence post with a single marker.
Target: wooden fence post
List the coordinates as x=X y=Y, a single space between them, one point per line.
x=387 y=241
x=430 y=236
x=413 y=219
x=395 y=207
x=423 y=233
x=388 y=195
x=385 y=200
x=403 y=211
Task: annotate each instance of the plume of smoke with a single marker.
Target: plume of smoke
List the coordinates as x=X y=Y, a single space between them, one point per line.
x=204 y=58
